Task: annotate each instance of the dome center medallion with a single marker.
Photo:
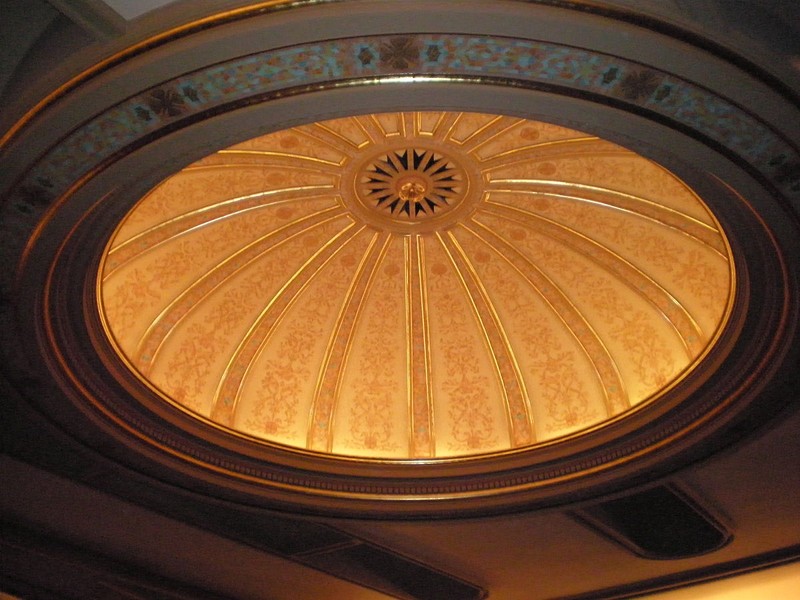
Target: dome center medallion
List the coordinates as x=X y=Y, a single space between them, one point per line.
x=410 y=188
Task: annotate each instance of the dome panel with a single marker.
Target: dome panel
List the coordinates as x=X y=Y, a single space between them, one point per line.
x=372 y=412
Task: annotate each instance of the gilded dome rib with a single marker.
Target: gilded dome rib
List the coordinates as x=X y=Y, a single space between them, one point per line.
x=334 y=362
x=517 y=401
x=444 y=125
x=615 y=396
x=227 y=396
x=637 y=280
x=615 y=200
x=420 y=390
x=548 y=151
x=186 y=223
x=274 y=158
x=490 y=131
x=173 y=314
x=335 y=139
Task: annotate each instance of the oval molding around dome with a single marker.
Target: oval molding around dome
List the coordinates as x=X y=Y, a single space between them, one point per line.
x=88 y=158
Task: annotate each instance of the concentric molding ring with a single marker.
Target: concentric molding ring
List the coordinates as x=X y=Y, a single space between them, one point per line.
x=157 y=439
x=176 y=450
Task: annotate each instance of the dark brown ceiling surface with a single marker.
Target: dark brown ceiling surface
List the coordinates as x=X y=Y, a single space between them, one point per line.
x=111 y=491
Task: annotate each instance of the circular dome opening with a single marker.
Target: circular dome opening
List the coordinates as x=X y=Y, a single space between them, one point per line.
x=422 y=285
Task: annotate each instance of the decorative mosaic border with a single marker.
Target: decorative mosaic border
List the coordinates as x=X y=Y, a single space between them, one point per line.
x=366 y=58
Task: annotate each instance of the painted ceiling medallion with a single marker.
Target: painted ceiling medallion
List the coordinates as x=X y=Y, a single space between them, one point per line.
x=416 y=285
x=411 y=184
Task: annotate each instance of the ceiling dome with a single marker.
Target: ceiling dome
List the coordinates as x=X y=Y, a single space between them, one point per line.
x=417 y=276
x=416 y=285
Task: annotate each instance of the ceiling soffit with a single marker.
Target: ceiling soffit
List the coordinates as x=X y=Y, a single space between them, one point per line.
x=85 y=180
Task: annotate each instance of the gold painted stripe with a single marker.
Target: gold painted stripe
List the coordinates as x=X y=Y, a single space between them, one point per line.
x=479 y=132
x=371 y=128
x=186 y=223
x=543 y=187
x=408 y=122
x=712 y=221
x=418 y=131
x=287 y=158
x=615 y=396
x=228 y=393
x=320 y=434
x=376 y=123
x=423 y=133
x=169 y=318
x=366 y=130
x=416 y=123
x=420 y=390
x=209 y=164
x=685 y=326
x=490 y=132
x=620 y=201
x=320 y=132
x=379 y=248
x=534 y=151
x=444 y=125
x=448 y=127
x=515 y=394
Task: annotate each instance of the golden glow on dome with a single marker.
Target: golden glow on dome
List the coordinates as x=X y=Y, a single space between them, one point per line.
x=416 y=285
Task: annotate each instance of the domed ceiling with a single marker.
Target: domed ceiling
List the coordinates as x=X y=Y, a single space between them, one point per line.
x=416 y=285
